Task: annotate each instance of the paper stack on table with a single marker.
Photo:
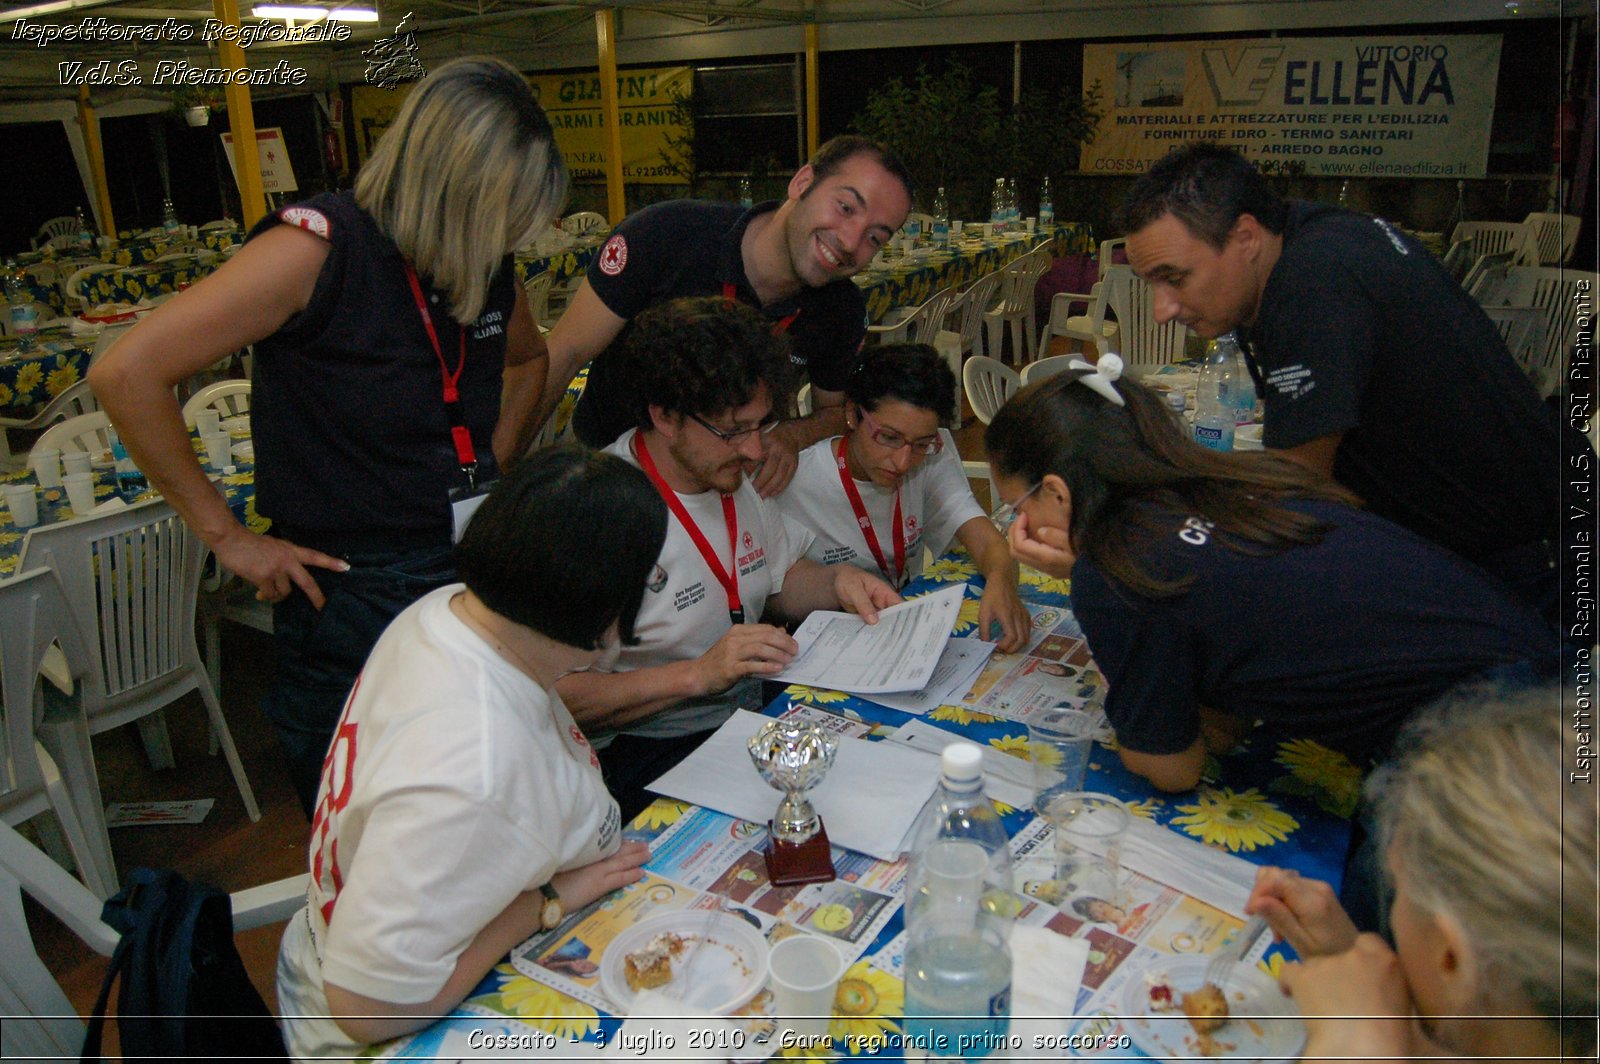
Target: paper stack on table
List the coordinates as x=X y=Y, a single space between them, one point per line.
x=841 y=652
x=868 y=800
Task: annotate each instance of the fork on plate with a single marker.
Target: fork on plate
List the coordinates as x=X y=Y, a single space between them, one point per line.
x=1221 y=964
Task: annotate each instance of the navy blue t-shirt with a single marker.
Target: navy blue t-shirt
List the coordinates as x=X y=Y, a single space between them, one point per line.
x=1337 y=641
x=1361 y=331
x=351 y=432
x=692 y=248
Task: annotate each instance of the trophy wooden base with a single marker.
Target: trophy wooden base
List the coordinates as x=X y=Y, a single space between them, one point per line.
x=793 y=863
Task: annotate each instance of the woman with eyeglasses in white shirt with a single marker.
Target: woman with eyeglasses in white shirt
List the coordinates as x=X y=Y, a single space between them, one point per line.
x=893 y=485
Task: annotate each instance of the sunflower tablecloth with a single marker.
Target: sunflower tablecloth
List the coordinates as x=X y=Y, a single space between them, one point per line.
x=1277 y=800
x=132 y=284
x=239 y=487
x=56 y=361
x=908 y=282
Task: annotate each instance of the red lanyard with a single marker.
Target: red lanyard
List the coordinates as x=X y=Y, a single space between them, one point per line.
x=730 y=293
x=465 y=453
x=728 y=580
x=898 y=576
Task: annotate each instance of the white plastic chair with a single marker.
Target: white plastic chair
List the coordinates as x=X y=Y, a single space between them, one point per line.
x=1472 y=240
x=1084 y=327
x=1021 y=277
x=1548 y=239
x=55 y=228
x=1558 y=295
x=920 y=326
x=33 y=618
x=132 y=581
x=802 y=400
x=72 y=402
x=585 y=223
x=1143 y=340
x=228 y=398
x=72 y=289
x=1487 y=277
x=1108 y=253
x=1045 y=367
x=41 y=1022
x=87 y=432
x=971 y=304
x=988 y=383
x=537 y=289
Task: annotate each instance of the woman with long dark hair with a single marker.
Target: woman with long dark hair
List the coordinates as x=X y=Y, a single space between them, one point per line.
x=1217 y=590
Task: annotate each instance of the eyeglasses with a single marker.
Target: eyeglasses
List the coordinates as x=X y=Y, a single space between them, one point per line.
x=892 y=440
x=1005 y=515
x=737 y=436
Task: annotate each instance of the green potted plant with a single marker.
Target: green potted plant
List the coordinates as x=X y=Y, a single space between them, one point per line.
x=194 y=103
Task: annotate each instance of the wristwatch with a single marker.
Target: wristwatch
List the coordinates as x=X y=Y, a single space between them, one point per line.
x=550 y=913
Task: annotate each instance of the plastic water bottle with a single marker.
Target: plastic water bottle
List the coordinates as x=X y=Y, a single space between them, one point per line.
x=997 y=205
x=169 y=216
x=1213 y=400
x=23 y=311
x=1047 y=208
x=746 y=197
x=85 y=237
x=1242 y=385
x=941 y=219
x=959 y=908
x=1013 y=209
x=130 y=481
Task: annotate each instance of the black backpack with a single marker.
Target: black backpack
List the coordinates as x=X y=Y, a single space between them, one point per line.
x=185 y=992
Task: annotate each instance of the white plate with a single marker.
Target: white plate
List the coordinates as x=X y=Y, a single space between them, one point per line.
x=1247 y=438
x=722 y=975
x=1266 y=1025
x=245 y=450
x=236 y=426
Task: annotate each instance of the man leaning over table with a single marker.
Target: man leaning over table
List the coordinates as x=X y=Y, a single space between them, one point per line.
x=791 y=259
x=1377 y=369
x=708 y=376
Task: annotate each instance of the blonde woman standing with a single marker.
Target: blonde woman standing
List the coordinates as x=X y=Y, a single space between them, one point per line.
x=1489 y=845
x=389 y=335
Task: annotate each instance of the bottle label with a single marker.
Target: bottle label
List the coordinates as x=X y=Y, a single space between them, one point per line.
x=1215 y=436
x=24 y=318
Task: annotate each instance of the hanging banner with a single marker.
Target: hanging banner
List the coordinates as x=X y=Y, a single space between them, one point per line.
x=644 y=99
x=1336 y=106
x=276 y=173
x=649 y=119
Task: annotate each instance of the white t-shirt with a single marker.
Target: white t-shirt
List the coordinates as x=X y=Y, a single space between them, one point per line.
x=935 y=501
x=454 y=783
x=685 y=617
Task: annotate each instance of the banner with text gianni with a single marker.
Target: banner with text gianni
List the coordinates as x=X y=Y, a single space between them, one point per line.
x=1341 y=106
x=645 y=104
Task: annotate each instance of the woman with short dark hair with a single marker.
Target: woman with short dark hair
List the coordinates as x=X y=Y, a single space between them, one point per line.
x=893 y=486
x=461 y=807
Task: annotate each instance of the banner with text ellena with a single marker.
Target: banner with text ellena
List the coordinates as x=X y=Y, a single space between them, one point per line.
x=1341 y=106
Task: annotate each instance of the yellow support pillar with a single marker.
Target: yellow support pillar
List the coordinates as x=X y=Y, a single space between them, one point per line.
x=605 y=28
x=90 y=124
x=241 y=122
x=812 y=93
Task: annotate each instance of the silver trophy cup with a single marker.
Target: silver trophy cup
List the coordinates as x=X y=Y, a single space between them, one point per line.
x=793 y=757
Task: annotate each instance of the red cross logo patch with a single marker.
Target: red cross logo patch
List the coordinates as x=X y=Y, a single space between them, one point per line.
x=614 y=256
x=749 y=541
x=312 y=221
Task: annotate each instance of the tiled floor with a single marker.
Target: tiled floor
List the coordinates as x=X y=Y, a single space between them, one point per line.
x=227 y=850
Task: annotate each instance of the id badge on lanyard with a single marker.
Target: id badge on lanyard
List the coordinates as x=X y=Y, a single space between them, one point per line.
x=464 y=499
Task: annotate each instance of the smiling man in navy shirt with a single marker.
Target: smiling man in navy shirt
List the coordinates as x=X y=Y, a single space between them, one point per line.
x=792 y=259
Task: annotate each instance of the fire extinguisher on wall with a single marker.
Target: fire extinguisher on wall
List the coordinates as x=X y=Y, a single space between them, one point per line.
x=1564 y=144
x=333 y=150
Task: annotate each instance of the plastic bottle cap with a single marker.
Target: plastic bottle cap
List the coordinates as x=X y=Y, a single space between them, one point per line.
x=962 y=762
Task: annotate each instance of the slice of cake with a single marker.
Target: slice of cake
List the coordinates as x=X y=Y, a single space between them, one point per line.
x=1206 y=1008
x=651 y=967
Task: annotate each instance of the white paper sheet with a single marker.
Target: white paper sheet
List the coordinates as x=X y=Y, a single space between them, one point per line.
x=958 y=666
x=1005 y=778
x=868 y=800
x=841 y=652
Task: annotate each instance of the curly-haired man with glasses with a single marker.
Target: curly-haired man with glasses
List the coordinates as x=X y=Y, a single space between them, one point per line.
x=707 y=377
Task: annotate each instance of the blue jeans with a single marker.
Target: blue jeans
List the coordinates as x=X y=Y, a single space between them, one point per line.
x=321 y=652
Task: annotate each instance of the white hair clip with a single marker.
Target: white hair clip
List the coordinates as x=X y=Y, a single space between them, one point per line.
x=1101 y=375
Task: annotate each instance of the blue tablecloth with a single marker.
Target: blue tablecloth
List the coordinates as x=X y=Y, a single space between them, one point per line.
x=56 y=361
x=1285 y=802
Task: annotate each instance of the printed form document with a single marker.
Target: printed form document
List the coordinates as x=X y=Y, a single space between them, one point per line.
x=842 y=652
